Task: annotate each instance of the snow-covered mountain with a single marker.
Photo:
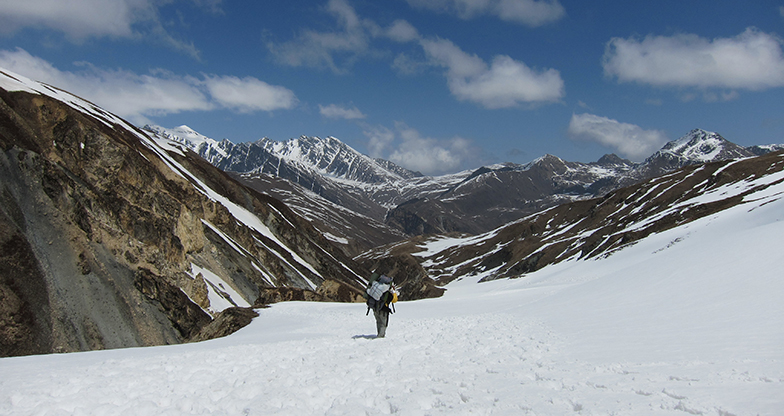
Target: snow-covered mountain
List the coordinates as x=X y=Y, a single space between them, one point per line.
x=354 y=188
x=594 y=228
x=393 y=202
x=686 y=321
x=114 y=237
x=700 y=146
x=308 y=156
x=493 y=196
x=663 y=297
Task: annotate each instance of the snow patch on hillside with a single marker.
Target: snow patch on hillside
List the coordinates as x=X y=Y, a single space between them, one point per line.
x=220 y=294
x=686 y=321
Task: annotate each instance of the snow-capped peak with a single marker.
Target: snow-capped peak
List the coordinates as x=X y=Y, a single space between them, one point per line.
x=330 y=157
x=11 y=81
x=182 y=134
x=199 y=143
x=701 y=146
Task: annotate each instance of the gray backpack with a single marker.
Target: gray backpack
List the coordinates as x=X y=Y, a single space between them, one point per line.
x=375 y=290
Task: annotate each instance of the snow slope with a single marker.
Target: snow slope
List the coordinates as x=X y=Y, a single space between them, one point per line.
x=688 y=321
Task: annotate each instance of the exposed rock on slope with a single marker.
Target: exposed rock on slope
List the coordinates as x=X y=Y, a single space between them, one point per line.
x=496 y=195
x=596 y=227
x=353 y=231
x=334 y=186
x=112 y=239
x=344 y=193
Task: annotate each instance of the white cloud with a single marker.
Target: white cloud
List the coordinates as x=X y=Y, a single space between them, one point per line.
x=505 y=83
x=379 y=139
x=406 y=147
x=508 y=83
x=137 y=97
x=502 y=84
x=402 y=31
x=324 y=49
x=407 y=65
x=77 y=19
x=430 y=156
x=249 y=94
x=752 y=60
x=459 y=64
x=528 y=12
x=83 y=19
x=336 y=111
x=628 y=140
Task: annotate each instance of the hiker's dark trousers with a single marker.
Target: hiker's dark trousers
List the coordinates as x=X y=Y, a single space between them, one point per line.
x=382 y=320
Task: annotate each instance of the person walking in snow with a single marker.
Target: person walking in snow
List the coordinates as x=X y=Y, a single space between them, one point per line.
x=381 y=294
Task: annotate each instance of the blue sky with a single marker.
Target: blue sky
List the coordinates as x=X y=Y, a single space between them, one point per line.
x=433 y=85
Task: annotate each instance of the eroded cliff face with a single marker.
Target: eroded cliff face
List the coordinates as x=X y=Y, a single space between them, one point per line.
x=109 y=240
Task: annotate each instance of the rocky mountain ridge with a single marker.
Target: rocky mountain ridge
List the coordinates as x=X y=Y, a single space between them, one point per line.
x=391 y=202
x=112 y=237
x=593 y=228
x=115 y=236
x=353 y=188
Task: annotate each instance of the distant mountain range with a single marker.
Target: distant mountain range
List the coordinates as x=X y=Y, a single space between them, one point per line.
x=115 y=236
x=112 y=237
x=592 y=228
x=362 y=202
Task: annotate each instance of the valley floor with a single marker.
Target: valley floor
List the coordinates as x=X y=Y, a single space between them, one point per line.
x=690 y=321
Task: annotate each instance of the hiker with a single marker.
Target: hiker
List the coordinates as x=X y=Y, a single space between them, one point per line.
x=381 y=294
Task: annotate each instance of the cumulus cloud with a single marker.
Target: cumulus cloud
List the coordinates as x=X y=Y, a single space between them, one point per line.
x=247 y=95
x=82 y=19
x=628 y=140
x=336 y=111
x=406 y=65
x=402 y=31
x=528 y=12
x=77 y=19
x=379 y=139
x=752 y=60
x=336 y=50
x=430 y=156
x=137 y=97
x=504 y=83
x=406 y=147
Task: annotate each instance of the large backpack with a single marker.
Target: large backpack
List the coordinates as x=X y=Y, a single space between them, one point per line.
x=378 y=294
x=379 y=287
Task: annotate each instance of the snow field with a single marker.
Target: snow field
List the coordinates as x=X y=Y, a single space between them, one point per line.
x=439 y=357
x=685 y=322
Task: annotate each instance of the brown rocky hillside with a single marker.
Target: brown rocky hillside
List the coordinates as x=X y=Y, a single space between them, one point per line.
x=110 y=239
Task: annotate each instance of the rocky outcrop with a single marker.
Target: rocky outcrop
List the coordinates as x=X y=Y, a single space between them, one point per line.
x=330 y=290
x=112 y=239
x=370 y=202
x=396 y=261
x=225 y=323
x=593 y=228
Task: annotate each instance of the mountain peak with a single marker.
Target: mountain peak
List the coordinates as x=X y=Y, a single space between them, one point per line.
x=182 y=134
x=701 y=146
x=612 y=160
x=549 y=162
x=185 y=128
x=547 y=158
